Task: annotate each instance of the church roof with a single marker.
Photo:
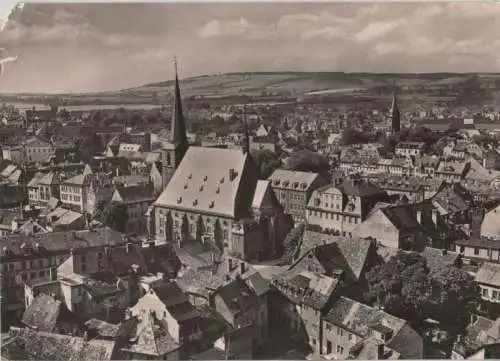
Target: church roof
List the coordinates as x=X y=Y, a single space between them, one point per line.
x=207 y=180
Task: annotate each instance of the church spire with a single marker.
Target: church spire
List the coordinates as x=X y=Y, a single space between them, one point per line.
x=246 y=139
x=395 y=115
x=178 y=126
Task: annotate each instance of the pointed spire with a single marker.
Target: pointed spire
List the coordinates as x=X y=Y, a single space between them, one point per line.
x=178 y=127
x=395 y=115
x=246 y=138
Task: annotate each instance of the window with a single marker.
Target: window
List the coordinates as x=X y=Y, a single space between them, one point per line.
x=328 y=347
x=476 y=251
x=41 y=274
x=462 y=249
x=83 y=259
x=314 y=341
x=340 y=349
x=485 y=292
x=494 y=295
x=99 y=255
x=328 y=327
x=84 y=268
x=32 y=275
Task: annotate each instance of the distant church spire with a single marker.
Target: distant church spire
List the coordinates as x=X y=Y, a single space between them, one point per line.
x=395 y=115
x=178 y=126
x=246 y=139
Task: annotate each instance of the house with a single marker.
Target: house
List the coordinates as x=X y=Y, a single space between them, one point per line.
x=136 y=199
x=490 y=227
x=47 y=314
x=488 y=278
x=452 y=171
x=170 y=306
x=241 y=305
x=437 y=258
x=454 y=202
x=293 y=190
x=43 y=187
x=479 y=249
x=30 y=258
x=480 y=334
x=62 y=219
x=297 y=303
x=350 y=327
x=340 y=208
x=395 y=227
x=26 y=344
x=410 y=148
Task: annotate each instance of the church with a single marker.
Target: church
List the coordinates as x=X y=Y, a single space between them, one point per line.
x=214 y=196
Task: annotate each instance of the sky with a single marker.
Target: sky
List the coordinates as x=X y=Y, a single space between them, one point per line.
x=93 y=47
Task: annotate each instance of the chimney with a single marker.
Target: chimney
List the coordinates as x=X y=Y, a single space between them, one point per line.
x=419 y=217
x=242 y=267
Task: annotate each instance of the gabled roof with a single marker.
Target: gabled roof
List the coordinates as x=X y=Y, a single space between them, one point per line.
x=176 y=301
x=37 y=345
x=238 y=296
x=207 y=180
x=150 y=337
x=354 y=250
x=489 y=274
x=360 y=319
x=401 y=217
x=42 y=313
x=136 y=193
x=294 y=180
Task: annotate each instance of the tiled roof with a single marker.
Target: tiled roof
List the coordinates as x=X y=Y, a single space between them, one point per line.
x=103 y=328
x=354 y=250
x=77 y=180
x=238 y=296
x=136 y=193
x=176 y=301
x=307 y=288
x=489 y=274
x=34 y=345
x=36 y=179
x=359 y=188
x=151 y=337
x=401 y=217
x=361 y=318
x=49 y=179
x=437 y=258
x=42 y=313
x=207 y=180
x=456 y=168
x=260 y=191
x=61 y=241
x=297 y=180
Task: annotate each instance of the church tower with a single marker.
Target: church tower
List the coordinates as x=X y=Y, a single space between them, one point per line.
x=246 y=137
x=177 y=144
x=395 y=116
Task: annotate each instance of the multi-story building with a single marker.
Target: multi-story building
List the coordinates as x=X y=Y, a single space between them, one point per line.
x=293 y=190
x=408 y=149
x=352 y=330
x=31 y=259
x=42 y=188
x=136 y=199
x=452 y=171
x=340 y=208
x=488 y=279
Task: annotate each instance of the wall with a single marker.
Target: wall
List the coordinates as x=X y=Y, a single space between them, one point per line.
x=379 y=227
x=341 y=340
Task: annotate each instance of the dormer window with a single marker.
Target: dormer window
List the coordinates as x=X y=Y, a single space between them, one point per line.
x=205 y=178
x=195 y=202
x=211 y=204
x=222 y=180
x=190 y=176
x=186 y=186
x=217 y=190
x=201 y=188
x=179 y=200
x=232 y=174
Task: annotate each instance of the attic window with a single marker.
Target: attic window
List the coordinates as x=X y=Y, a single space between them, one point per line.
x=179 y=200
x=286 y=183
x=201 y=188
x=232 y=174
x=186 y=186
x=276 y=182
x=190 y=176
x=205 y=178
x=211 y=204
x=296 y=185
x=195 y=202
x=303 y=185
x=217 y=190
x=222 y=180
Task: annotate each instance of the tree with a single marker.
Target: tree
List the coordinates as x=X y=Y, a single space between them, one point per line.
x=89 y=145
x=456 y=295
x=309 y=161
x=266 y=161
x=354 y=136
x=113 y=215
x=400 y=285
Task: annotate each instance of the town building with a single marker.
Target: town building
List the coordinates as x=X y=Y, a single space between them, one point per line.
x=490 y=226
x=350 y=329
x=293 y=190
x=42 y=188
x=410 y=149
x=340 y=208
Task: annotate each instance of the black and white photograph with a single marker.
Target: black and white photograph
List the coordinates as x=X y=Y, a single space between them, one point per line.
x=264 y=180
